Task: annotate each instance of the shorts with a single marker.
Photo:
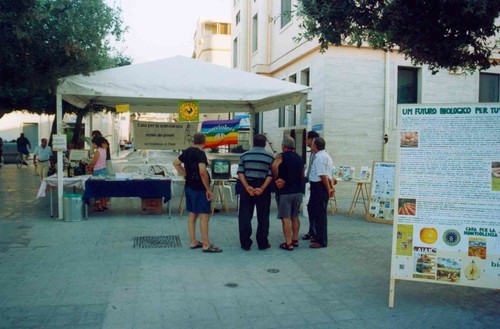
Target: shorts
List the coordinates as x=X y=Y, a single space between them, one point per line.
x=100 y=172
x=289 y=205
x=196 y=201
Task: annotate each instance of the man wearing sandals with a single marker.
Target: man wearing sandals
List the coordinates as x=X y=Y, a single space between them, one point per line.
x=288 y=172
x=192 y=164
x=322 y=190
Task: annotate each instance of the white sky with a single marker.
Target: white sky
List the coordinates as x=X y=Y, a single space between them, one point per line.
x=165 y=28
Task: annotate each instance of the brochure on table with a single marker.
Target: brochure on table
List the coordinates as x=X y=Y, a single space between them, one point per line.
x=447 y=226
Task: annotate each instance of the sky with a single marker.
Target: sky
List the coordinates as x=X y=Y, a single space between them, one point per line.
x=164 y=28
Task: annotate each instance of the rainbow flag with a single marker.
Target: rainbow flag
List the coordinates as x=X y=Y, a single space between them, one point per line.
x=220 y=132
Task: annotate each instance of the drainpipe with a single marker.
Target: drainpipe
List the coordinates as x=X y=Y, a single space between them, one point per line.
x=386 y=106
x=60 y=185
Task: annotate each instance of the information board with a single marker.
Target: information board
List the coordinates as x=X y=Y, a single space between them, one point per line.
x=164 y=135
x=382 y=193
x=447 y=188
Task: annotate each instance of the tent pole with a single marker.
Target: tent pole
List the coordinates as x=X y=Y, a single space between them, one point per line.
x=252 y=126
x=60 y=184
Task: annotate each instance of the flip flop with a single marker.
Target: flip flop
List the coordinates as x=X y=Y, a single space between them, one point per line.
x=212 y=248
x=286 y=246
x=197 y=245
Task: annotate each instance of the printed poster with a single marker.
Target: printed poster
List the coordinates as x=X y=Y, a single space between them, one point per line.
x=447 y=195
x=164 y=135
x=381 y=203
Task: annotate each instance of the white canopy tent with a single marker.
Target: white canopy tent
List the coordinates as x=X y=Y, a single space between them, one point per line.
x=158 y=86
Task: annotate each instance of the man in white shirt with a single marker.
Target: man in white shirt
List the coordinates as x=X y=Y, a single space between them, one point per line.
x=321 y=182
x=42 y=154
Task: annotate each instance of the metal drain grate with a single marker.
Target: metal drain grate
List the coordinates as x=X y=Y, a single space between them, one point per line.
x=160 y=241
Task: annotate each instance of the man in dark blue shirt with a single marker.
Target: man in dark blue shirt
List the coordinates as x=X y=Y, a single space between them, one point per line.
x=288 y=172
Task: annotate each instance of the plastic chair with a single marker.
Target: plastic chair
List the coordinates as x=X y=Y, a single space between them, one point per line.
x=131 y=169
x=158 y=170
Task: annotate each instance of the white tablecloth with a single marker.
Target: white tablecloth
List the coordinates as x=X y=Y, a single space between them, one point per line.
x=51 y=181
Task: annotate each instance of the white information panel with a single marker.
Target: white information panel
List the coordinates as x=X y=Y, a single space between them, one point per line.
x=382 y=193
x=447 y=224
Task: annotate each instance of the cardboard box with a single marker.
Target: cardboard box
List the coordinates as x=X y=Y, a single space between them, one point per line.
x=152 y=206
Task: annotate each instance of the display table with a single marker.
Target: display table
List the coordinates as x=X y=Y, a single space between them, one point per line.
x=51 y=184
x=147 y=188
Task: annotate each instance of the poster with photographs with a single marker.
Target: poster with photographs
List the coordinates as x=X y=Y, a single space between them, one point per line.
x=447 y=195
x=381 y=199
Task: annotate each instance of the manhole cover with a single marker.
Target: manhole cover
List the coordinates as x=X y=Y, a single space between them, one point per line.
x=231 y=285
x=160 y=241
x=273 y=270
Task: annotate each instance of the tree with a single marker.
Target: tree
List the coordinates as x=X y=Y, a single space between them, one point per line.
x=444 y=34
x=44 y=40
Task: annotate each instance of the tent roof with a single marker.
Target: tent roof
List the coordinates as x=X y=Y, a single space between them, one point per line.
x=158 y=86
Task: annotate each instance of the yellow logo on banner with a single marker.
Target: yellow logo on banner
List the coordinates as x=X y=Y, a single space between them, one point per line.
x=122 y=108
x=189 y=111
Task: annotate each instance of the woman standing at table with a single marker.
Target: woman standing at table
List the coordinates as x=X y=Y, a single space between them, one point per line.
x=98 y=167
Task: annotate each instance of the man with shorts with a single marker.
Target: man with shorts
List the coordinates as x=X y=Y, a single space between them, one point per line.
x=192 y=164
x=288 y=172
x=22 y=146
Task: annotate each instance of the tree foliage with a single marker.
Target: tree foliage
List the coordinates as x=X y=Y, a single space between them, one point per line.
x=44 y=40
x=444 y=34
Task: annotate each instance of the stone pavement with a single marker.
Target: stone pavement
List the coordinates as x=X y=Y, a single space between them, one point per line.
x=88 y=275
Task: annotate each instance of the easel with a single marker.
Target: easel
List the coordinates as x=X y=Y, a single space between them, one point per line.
x=218 y=194
x=361 y=189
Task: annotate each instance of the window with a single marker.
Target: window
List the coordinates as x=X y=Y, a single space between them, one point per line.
x=235 y=52
x=255 y=31
x=281 y=117
x=217 y=28
x=210 y=28
x=292 y=112
x=286 y=12
x=238 y=18
x=489 y=87
x=305 y=80
x=257 y=124
x=224 y=28
x=407 y=85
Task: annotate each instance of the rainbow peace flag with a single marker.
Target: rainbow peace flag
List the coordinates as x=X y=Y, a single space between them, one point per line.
x=220 y=132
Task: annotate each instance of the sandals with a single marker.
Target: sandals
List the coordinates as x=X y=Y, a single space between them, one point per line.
x=295 y=243
x=286 y=246
x=197 y=245
x=212 y=248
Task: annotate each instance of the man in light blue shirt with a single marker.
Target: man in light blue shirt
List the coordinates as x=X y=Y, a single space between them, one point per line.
x=321 y=182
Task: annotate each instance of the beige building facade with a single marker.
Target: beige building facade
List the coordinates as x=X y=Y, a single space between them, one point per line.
x=355 y=91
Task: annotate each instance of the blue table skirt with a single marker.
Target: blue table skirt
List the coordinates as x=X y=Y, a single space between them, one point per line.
x=128 y=188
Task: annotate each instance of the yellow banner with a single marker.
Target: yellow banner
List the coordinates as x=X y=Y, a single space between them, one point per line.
x=121 y=108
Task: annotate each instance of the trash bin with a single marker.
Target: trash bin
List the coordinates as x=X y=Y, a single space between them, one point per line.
x=73 y=207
